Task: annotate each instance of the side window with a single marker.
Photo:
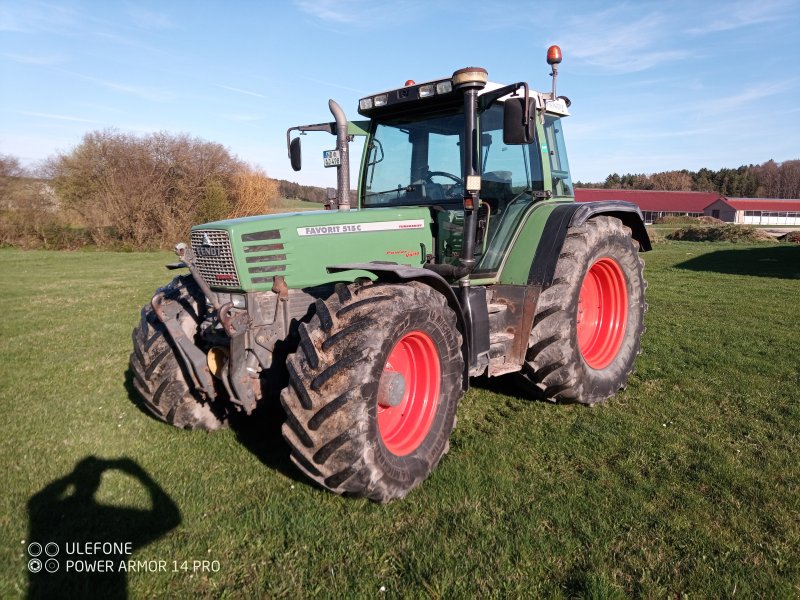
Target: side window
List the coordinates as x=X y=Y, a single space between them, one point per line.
x=390 y=157
x=507 y=170
x=559 y=167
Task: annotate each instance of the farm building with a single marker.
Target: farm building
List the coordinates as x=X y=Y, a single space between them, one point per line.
x=655 y=204
x=755 y=211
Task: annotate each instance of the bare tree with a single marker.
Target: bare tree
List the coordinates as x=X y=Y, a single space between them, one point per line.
x=146 y=190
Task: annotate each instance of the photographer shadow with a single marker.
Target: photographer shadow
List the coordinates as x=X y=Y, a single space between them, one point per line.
x=65 y=516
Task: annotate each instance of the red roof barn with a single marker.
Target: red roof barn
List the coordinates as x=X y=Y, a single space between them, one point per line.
x=654 y=203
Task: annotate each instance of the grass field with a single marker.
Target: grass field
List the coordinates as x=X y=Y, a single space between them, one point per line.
x=686 y=483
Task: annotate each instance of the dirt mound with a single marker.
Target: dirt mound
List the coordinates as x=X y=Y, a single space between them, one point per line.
x=791 y=237
x=686 y=220
x=721 y=233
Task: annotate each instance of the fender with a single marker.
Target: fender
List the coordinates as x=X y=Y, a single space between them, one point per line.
x=563 y=217
x=394 y=273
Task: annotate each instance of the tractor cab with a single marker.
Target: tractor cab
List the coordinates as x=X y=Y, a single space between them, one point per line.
x=477 y=154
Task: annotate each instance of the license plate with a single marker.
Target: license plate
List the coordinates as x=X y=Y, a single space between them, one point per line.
x=331 y=158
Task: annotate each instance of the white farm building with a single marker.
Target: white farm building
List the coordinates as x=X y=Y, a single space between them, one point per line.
x=755 y=211
x=745 y=211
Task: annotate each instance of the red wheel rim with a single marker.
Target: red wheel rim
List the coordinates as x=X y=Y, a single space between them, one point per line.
x=403 y=427
x=602 y=313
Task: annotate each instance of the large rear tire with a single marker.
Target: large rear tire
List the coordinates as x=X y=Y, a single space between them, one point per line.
x=373 y=389
x=157 y=375
x=588 y=324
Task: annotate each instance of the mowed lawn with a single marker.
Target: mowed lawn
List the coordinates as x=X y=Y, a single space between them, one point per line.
x=686 y=483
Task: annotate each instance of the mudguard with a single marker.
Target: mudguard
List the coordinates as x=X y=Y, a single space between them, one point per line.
x=574 y=214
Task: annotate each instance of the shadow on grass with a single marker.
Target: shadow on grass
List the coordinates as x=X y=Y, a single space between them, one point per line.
x=65 y=517
x=259 y=432
x=782 y=262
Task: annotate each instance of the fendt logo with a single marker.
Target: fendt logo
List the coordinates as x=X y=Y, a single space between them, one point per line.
x=207 y=248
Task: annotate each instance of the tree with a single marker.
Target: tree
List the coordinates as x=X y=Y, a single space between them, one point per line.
x=679 y=181
x=145 y=190
x=253 y=193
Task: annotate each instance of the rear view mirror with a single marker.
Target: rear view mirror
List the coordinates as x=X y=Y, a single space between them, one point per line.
x=295 y=154
x=515 y=129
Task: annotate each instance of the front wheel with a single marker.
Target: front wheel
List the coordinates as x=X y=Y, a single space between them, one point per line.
x=588 y=324
x=158 y=376
x=373 y=389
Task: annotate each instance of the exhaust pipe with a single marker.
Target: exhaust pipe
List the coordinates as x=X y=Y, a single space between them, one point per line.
x=343 y=169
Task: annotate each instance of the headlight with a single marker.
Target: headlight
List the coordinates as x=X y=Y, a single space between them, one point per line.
x=365 y=103
x=444 y=87
x=380 y=100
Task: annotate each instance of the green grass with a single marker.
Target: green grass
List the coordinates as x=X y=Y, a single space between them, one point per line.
x=686 y=483
x=295 y=204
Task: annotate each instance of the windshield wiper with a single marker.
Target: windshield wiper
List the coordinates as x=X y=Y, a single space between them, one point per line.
x=398 y=189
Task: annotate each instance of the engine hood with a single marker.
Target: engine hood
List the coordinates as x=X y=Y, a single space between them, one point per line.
x=247 y=254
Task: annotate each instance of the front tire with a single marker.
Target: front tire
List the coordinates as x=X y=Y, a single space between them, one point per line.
x=157 y=375
x=373 y=389
x=588 y=324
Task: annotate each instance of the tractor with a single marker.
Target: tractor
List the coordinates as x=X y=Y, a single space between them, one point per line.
x=463 y=254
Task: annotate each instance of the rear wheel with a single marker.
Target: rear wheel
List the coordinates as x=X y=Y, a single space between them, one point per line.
x=157 y=375
x=373 y=389
x=588 y=324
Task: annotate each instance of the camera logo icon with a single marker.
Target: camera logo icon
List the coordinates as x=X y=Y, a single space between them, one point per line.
x=51 y=565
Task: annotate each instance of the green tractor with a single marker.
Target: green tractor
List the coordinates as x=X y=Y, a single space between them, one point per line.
x=463 y=254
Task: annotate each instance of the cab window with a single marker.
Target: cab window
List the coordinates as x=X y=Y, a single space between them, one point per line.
x=559 y=167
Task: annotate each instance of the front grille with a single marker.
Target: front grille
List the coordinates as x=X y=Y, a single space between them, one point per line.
x=218 y=271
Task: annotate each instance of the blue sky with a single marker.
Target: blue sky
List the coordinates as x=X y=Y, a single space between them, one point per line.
x=655 y=85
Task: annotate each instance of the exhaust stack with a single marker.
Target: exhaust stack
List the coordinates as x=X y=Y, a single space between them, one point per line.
x=343 y=168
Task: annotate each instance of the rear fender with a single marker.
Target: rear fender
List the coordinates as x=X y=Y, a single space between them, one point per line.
x=564 y=216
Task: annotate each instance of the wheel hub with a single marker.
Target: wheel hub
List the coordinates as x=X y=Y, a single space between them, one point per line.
x=602 y=313
x=408 y=393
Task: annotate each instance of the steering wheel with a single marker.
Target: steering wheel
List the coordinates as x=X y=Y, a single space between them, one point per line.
x=454 y=178
x=453 y=191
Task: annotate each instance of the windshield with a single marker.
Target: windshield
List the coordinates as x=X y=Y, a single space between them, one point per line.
x=415 y=161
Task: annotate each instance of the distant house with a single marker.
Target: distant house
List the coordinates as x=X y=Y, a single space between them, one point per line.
x=755 y=211
x=654 y=204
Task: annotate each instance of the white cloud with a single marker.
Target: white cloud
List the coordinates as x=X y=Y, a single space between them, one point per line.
x=367 y=13
x=616 y=42
x=241 y=91
x=58 y=117
x=742 y=14
x=242 y=118
x=146 y=93
x=148 y=19
x=42 y=60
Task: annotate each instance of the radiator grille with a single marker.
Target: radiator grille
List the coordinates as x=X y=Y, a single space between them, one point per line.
x=218 y=271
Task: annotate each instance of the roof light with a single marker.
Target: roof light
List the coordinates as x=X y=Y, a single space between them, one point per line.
x=365 y=104
x=444 y=87
x=425 y=91
x=470 y=76
x=553 y=55
x=380 y=100
x=410 y=82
